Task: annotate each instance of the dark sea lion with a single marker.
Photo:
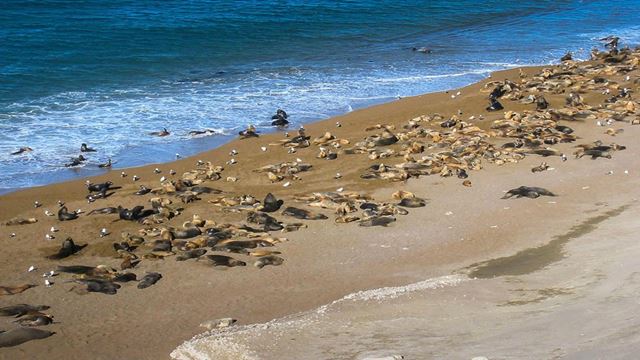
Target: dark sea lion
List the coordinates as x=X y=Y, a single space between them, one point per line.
x=35 y=319
x=413 y=202
x=462 y=174
x=76 y=161
x=568 y=56
x=126 y=277
x=280 y=114
x=162 y=133
x=270 y=203
x=68 y=248
x=564 y=129
x=149 y=279
x=541 y=103
x=268 y=260
x=83 y=270
x=103 y=211
x=449 y=123
x=269 y=222
x=186 y=233
x=423 y=50
x=279 y=121
x=494 y=105
x=21 y=335
x=250 y=131
x=101 y=187
x=221 y=260
x=65 y=215
x=205 y=190
x=21 y=309
x=105 y=165
x=136 y=213
x=497 y=92
x=303 y=214
x=99 y=195
x=23 y=149
x=97 y=285
x=377 y=221
x=231 y=249
x=531 y=192
x=142 y=191
x=596 y=154
x=162 y=245
x=205 y=132
x=85 y=148
x=191 y=254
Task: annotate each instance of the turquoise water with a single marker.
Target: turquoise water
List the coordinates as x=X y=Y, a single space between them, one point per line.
x=108 y=72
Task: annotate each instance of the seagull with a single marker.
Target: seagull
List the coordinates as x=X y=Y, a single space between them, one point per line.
x=37 y=204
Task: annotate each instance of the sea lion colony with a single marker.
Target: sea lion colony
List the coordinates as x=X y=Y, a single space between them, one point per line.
x=431 y=144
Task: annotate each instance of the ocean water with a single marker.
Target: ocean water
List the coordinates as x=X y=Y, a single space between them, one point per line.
x=108 y=72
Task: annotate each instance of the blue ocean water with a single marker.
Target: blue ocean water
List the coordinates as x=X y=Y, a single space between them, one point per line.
x=108 y=72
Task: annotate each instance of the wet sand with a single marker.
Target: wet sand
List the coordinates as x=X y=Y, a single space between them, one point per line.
x=459 y=227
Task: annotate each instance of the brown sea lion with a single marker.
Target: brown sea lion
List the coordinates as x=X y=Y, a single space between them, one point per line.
x=303 y=214
x=21 y=221
x=21 y=309
x=12 y=290
x=191 y=254
x=221 y=260
x=268 y=260
x=149 y=279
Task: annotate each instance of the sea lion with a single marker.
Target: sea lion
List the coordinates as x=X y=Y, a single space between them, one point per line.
x=191 y=254
x=186 y=233
x=494 y=105
x=268 y=260
x=423 y=50
x=279 y=120
x=99 y=270
x=269 y=222
x=21 y=309
x=596 y=154
x=96 y=285
x=413 y=202
x=162 y=133
x=261 y=253
x=65 y=215
x=377 y=221
x=162 y=245
x=541 y=103
x=23 y=149
x=568 y=56
x=35 y=319
x=149 y=279
x=303 y=214
x=105 y=165
x=540 y=168
x=85 y=148
x=68 y=248
x=12 y=290
x=103 y=211
x=206 y=132
x=20 y=221
x=101 y=187
x=126 y=277
x=221 y=260
x=527 y=191
x=136 y=213
x=21 y=335
x=142 y=191
x=250 y=131
x=76 y=161
x=270 y=203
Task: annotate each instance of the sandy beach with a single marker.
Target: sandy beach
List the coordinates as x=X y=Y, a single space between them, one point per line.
x=522 y=277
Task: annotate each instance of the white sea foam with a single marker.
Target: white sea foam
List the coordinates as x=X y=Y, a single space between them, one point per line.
x=224 y=343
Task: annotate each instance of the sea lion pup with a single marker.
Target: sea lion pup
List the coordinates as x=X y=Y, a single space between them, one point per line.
x=270 y=203
x=279 y=120
x=527 y=191
x=23 y=149
x=191 y=254
x=142 y=191
x=96 y=285
x=21 y=309
x=76 y=161
x=162 y=133
x=21 y=335
x=12 y=290
x=540 y=168
x=105 y=165
x=303 y=214
x=85 y=148
x=21 y=221
x=596 y=154
x=65 y=215
x=35 y=319
x=249 y=132
x=103 y=211
x=413 y=202
x=221 y=260
x=568 y=56
x=377 y=221
x=68 y=248
x=149 y=279
x=494 y=105
x=268 y=260
x=541 y=103
x=269 y=223
x=101 y=187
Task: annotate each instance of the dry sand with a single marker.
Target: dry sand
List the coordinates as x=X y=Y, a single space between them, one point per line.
x=459 y=227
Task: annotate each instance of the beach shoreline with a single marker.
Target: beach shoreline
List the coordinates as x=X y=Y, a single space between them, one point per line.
x=324 y=261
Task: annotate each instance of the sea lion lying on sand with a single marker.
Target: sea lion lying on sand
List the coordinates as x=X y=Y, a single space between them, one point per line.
x=527 y=191
x=303 y=214
x=21 y=335
x=221 y=260
x=21 y=309
x=68 y=248
x=149 y=279
x=268 y=260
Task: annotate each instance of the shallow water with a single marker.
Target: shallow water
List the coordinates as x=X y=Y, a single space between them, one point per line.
x=107 y=73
